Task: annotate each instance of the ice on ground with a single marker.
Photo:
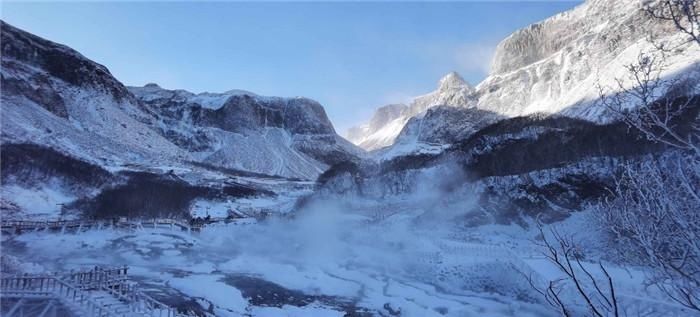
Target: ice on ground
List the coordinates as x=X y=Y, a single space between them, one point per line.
x=294 y=311
x=203 y=208
x=227 y=301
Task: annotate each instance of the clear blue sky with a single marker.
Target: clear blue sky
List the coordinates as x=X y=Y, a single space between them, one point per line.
x=351 y=57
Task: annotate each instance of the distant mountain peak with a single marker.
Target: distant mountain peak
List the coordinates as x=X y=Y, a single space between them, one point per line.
x=388 y=121
x=451 y=81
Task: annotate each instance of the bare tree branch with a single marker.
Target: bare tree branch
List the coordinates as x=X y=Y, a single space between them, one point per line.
x=562 y=252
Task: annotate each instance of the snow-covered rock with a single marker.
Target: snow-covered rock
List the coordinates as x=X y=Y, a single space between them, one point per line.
x=512 y=169
x=76 y=141
x=452 y=90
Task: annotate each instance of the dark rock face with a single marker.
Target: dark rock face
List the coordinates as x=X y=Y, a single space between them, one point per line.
x=43 y=94
x=446 y=125
x=245 y=112
x=329 y=149
x=241 y=113
x=57 y=60
x=305 y=116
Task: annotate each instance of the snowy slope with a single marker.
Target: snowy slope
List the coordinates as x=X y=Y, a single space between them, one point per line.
x=53 y=95
x=383 y=117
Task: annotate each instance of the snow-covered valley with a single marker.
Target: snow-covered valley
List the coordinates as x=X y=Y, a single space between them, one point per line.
x=328 y=263
x=564 y=184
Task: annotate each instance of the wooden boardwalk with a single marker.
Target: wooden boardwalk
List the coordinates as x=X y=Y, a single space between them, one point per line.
x=20 y=226
x=98 y=292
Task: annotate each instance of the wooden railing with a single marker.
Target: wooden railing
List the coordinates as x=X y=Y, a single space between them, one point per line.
x=138 y=303
x=115 y=282
x=29 y=224
x=98 y=276
x=51 y=287
x=18 y=226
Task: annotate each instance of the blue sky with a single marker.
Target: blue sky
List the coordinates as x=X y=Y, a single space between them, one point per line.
x=351 y=57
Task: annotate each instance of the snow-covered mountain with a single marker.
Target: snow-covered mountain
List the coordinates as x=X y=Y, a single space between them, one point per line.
x=76 y=141
x=388 y=121
x=532 y=137
x=54 y=96
x=555 y=66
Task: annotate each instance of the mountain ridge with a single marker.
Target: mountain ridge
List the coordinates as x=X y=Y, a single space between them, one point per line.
x=88 y=113
x=548 y=68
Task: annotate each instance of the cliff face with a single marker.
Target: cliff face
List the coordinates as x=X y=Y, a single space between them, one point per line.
x=22 y=51
x=52 y=95
x=60 y=106
x=557 y=65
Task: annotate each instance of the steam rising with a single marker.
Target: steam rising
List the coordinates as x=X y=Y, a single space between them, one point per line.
x=349 y=232
x=408 y=253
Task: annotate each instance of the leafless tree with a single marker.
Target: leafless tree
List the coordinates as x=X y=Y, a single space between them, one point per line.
x=682 y=13
x=598 y=294
x=655 y=212
x=654 y=105
x=657 y=107
x=655 y=219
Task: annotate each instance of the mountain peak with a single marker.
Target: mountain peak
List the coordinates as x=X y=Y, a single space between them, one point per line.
x=452 y=80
